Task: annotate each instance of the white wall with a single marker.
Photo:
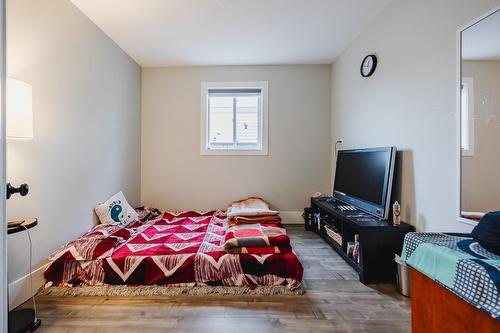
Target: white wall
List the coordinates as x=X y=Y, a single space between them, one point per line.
x=86 y=146
x=176 y=176
x=480 y=175
x=410 y=100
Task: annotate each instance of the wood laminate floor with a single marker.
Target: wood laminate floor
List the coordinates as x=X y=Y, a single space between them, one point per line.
x=335 y=301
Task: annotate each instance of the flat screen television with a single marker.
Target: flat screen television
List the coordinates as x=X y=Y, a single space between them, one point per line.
x=363 y=178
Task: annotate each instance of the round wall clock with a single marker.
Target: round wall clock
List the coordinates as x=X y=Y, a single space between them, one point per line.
x=368 y=65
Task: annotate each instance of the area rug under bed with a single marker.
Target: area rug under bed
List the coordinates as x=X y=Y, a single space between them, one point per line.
x=113 y=290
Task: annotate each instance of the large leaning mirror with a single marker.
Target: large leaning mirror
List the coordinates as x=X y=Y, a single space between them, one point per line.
x=480 y=118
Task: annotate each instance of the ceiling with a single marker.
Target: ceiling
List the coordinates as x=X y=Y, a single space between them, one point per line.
x=231 y=32
x=481 y=41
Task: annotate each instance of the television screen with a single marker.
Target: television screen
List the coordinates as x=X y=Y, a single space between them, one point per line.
x=363 y=178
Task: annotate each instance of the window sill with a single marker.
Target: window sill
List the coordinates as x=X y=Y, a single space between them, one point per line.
x=235 y=152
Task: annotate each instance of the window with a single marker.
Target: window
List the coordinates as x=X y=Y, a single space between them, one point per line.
x=467 y=117
x=234 y=118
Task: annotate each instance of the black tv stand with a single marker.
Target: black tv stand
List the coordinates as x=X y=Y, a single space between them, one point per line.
x=338 y=224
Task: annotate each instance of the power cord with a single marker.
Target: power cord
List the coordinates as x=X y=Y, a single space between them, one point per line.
x=337 y=143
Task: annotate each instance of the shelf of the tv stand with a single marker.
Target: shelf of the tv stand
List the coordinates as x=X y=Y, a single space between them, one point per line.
x=379 y=240
x=339 y=250
x=331 y=208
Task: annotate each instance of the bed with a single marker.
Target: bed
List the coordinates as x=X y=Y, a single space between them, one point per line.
x=182 y=249
x=455 y=283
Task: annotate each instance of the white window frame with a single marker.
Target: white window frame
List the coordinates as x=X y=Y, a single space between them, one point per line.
x=467 y=117
x=263 y=124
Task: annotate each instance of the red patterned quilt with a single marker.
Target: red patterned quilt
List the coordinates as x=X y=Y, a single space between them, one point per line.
x=180 y=249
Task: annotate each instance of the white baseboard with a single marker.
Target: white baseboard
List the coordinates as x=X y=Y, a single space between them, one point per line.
x=291 y=217
x=20 y=289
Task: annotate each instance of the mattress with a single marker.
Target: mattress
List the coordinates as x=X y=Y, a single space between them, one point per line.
x=174 y=249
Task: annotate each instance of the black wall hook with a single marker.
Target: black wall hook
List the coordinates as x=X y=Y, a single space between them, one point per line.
x=23 y=190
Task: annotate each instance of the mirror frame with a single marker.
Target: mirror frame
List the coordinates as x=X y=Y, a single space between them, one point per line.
x=458 y=116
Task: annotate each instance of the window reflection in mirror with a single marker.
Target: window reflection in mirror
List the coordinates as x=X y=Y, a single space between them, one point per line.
x=480 y=118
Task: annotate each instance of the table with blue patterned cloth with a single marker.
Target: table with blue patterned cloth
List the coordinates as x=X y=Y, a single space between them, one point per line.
x=460 y=264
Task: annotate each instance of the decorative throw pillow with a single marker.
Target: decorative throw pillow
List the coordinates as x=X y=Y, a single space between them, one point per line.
x=487 y=232
x=116 y=210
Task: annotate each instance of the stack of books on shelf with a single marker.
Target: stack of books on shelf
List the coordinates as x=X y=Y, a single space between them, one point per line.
x=353 y=249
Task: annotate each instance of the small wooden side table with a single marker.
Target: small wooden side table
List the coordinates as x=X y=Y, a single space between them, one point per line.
x=21 y=224
x=22 y=320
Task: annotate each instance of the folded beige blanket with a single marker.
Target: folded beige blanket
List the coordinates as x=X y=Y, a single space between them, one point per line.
x=269 y=219
x=250 y=207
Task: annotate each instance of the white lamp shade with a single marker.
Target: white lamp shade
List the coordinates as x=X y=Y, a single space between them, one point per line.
x=19 y=114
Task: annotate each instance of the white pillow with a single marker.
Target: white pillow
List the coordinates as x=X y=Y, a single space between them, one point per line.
x=116 y=210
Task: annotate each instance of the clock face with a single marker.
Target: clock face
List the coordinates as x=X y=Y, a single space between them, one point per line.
x=368 y=65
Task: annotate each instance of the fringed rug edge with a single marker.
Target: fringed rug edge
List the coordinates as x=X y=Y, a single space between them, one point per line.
x=123 y=290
